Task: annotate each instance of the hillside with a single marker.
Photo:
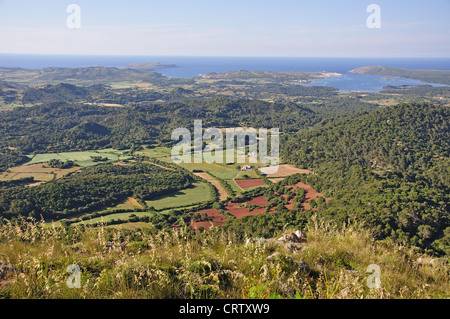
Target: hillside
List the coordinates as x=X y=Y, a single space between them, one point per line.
x=85 y=76
x=389 y=168
x=431 y=76
x=59 y=93
x=59 y=126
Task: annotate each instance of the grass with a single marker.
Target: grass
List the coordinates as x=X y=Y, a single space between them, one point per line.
x=215 y=264
x=40 y=172
x=247 y=175
x=200 y=192
x=108 y=218
x=82 y=158
x=158 y=152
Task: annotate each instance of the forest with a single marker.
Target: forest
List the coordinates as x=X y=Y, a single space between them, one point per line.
x=59 y=126
x=389 y=168
x=90 y=189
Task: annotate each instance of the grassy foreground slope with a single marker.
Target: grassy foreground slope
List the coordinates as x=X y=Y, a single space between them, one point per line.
x=117 y=263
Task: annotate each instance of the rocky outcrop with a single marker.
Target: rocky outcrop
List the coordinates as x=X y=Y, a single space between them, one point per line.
x=296 y=237
x=291 y=241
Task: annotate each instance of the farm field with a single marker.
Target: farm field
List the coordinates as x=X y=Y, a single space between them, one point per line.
x=215 y=218
x=82 y=158
x=239 y=181
x=310 y=194
x=200 y=192
x=113 y=216
x=249 y=183
x=40 y=172
x=284 y=170
x=129 y=203
x=222 y=170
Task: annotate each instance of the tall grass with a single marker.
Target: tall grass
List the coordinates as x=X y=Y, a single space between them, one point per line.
x=116 y=263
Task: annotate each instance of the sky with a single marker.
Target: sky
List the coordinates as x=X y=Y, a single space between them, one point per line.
x=278 y=28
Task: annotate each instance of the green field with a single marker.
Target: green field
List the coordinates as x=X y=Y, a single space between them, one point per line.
x=82 y=158
x=108 y=218
x=247 y=175
x=222 y=170
x=186 y=197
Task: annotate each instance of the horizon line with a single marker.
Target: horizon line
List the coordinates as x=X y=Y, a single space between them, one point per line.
x=224 y=56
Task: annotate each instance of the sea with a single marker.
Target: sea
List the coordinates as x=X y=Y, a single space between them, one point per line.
x=188 y=67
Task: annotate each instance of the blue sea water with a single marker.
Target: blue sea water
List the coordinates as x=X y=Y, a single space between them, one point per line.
x=188 y=67
x=366 y=83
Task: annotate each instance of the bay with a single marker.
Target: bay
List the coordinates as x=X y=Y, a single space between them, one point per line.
x=188 y=67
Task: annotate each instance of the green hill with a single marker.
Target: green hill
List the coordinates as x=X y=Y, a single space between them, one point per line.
x=57 y=93
x=389 y=168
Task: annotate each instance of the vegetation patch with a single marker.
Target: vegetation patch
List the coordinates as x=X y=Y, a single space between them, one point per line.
x=83 y=159
x=199 y=192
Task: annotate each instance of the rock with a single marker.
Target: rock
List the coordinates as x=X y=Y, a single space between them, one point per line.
x=301 y=235
x=295 y=237
x=293 y=247
x=257 y=241
x=6 y=268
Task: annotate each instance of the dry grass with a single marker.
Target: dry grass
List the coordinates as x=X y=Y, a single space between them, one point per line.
x=285 y=170
x=40 y=172
x=213 y=264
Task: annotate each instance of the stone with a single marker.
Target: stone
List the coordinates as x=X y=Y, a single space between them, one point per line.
x=6 y=268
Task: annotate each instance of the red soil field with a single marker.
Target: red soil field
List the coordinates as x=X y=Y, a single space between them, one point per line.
x=217 y=219
x=291 y=202
x=247 y=183
x=239 y=210
x=310 y=193
x=260 y=201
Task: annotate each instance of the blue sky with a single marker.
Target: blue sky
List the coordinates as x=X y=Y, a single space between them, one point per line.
x=409 y=28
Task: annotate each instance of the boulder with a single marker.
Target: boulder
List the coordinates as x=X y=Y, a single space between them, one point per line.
x=295 y=237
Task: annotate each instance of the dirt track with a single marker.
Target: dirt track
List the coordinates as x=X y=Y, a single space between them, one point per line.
x=223 y=194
